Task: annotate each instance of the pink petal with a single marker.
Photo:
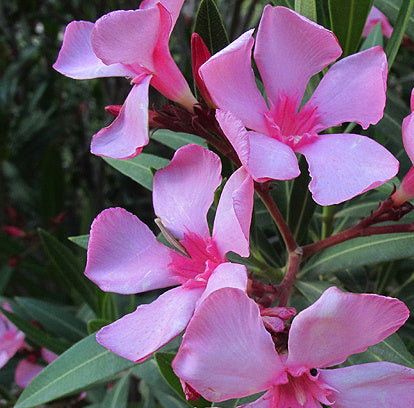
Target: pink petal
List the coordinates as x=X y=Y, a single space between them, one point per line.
x=226 y=351
x=408 y=135
x=375 y=16
x=345 y=165
x=340 y=324
x=230 y=80
x=184 y=190
x=127 y=36
x=11 y=339
x=265 y=158
x=139 y=334
x=48 y=355
x=128 y=133
x=268 y=400
x=353 y=90
x=173 y=7
x=76 y=58
x=25 y=372
x=289 y=50
x=124 y=256
x=412 y=100
x=371 y=385
x=234 y=213
x=226 y=275
x=167 y=78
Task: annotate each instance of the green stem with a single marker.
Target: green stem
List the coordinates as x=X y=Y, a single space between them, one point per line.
x=327 y=221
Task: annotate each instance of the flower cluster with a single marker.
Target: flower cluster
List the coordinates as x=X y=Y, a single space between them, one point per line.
x=236 y=343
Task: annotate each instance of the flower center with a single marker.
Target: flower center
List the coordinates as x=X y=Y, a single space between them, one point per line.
x=204 y=257
x=289 y=126
x=305 y=390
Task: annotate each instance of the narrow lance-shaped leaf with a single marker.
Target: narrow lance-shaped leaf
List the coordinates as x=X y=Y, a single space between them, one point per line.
x=81 y=240
x=391 y=349
x=307 y=8
x=401 y=23
x=175 y=140
x=374 y=38
x=164 y=361
x=69 y=269
x=359 y=252
x=301 y=205
x=139 y=168
x=117 y=396
x=348 y=19
x=209 y=25
x=391 y=9
x=84 y=364
x=54 y=318
x=37 y=336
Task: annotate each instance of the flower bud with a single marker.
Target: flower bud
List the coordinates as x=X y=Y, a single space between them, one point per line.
x=406 y=190
x=200 y=54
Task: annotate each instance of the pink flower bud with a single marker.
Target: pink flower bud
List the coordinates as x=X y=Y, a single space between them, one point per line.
x=200 y=54
x=406 y=190
x=113 y=109
x=14 y=231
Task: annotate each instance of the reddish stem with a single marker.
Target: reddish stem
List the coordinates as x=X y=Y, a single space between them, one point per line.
x=284 y=288
x=263 y=190
x=354 y=232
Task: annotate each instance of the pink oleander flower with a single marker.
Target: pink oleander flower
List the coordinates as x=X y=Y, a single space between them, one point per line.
x=28 y=368
x=132 y=44
x=337 y=325
x=406 y=191
x=289 y=50
x=125 y=257
x=11 y=338
x=375 y=16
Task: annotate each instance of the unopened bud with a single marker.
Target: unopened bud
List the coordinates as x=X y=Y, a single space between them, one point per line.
x=14 y=231
x=113 y=109
x=199 y=55
x=190 y=393
x=406 y=191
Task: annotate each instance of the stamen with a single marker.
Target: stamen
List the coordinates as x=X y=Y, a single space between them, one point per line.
x=170 y=238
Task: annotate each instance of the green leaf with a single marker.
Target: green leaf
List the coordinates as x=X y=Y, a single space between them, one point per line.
x=139 y=168
x=69 y=269
x=164 y=361
x=312 y=290
x=54 y=318
x=374 y=38
x=95 y=324
x=307 y=8
x=391 y=9
x=398 y=31
x=81 y=240
x=209 y=25
x=117 y=396
x=348 y=19
x=359 y=252
x=285 y=3
x=84 y=364
x=6 y=273
x=391 y=349
x=301 y=205
x=36 y=335
x=175 y=140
